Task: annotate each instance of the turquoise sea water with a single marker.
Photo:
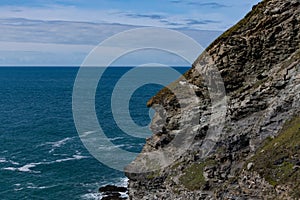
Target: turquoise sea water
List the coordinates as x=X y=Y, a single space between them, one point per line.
x=41 y=155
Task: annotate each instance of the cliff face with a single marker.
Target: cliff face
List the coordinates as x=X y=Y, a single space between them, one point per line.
x=256 y=153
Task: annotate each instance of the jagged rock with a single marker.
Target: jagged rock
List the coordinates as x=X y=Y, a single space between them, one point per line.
x=259 y=61
x=112 y=188
x=112 y=192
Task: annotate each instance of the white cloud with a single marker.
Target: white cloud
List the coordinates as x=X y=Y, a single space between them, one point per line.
x=63 y=43
x=44 y=47
x=69 y=13
x=67 y=32
x=64 y=35
x=42 y=54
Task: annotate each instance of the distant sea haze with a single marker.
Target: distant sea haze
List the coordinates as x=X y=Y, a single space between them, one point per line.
x=41 y=155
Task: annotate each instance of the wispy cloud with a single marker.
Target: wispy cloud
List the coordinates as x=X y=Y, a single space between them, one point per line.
x=176 y=1
x=62 y=43
x=62 y=32
x=150 y=16
x=65 y=32
x=200 y=22
x=210 y=4
x=200 y=4
x=67 y=13
x=170 y=23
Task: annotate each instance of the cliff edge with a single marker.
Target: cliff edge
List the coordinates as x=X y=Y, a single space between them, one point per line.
x=257 y=152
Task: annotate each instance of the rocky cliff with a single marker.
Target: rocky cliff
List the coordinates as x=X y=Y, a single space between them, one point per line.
x=254 y=148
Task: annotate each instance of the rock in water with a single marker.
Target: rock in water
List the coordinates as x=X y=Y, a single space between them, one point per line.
x=259 y=61
x=112 y=192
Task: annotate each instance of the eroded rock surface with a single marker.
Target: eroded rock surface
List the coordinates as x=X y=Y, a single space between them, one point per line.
x=258 y=60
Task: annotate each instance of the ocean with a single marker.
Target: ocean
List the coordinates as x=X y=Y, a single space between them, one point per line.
x=41 y=154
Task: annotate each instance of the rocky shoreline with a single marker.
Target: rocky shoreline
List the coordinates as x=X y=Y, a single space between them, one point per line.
x=112 y=192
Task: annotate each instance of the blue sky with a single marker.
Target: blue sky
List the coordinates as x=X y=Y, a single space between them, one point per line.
x=62 y=32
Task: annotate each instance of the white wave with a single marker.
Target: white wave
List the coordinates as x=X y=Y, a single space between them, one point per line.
x=63 y=160
x=92 y=196
x=79 y=157
x=3 y=160
x=61 y=142
x=57 y=144
x=36 y=187
x=75 y=157
x=18 y=189
x=27 y=167
x=102 y=147
x=123 y=182
x=84 y=134
x=33 y=186
x=116 y=138
x=14 y=163
x=124 y=195
x=10 y=168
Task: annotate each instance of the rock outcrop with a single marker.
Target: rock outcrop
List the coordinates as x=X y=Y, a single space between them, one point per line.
x=256 y=152
x=112 y=192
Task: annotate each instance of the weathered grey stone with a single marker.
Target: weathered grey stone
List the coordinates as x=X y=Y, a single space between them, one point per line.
x=250 y=166
x=259 y=62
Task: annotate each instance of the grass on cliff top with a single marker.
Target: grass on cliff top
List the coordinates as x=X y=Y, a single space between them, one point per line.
x=277 y=161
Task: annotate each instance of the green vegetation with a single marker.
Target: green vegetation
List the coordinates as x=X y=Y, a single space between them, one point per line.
x=176 y=165
x=297 y=54
x=193 y=178
x=166 y=94
x=153 y=175
x=277 y=160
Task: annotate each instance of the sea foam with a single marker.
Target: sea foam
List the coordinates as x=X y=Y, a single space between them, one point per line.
x=28 y=167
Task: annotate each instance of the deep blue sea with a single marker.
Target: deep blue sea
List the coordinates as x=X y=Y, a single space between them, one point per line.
x=41 y=155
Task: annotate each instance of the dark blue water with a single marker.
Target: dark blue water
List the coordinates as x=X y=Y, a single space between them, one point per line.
x=41 y=155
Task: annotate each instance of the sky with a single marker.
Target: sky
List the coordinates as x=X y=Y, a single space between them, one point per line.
x=63 y=32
